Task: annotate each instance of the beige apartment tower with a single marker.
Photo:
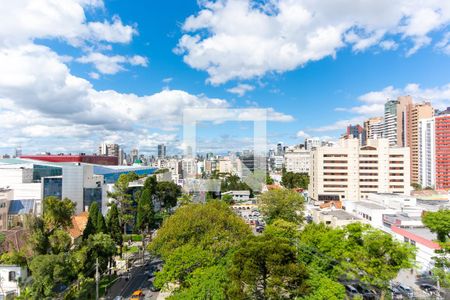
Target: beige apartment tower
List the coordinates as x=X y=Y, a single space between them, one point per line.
x=351 y=172
x=407 y=129
x=416 y=112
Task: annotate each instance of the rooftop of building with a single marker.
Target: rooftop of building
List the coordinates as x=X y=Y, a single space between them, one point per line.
x=393 y=195
x=401 y=217
x=79 y=223
x=370 y=205
x=339 y=214
x=423 y=232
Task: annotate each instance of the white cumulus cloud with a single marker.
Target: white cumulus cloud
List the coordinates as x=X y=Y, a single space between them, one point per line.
x=241 y=89
x=244 y=39
x=112 y=64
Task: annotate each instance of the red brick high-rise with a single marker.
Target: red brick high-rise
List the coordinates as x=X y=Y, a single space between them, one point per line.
x=442 y=122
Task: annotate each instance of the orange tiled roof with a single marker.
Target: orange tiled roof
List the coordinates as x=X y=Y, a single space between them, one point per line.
x=336 y=204
x=78 y=224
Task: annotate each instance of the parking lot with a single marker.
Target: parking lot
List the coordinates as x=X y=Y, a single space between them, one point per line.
x=251 y=215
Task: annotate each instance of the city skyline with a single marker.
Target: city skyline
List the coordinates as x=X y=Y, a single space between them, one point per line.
x=105 y=72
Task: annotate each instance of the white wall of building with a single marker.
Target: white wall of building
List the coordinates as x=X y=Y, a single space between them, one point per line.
x=348 y=171
x=297 y=160
x=427 y=153
x=7 y=286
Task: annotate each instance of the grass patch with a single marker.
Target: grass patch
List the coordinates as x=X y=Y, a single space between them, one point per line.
x=132 y=237
x=132 y=249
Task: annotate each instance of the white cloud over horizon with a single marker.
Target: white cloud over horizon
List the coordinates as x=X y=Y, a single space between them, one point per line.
x=44 y=106
x=245 y=39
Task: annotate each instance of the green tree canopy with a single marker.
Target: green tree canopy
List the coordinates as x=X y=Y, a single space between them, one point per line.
x=197 y=240
x=283 y=229
x=282 y=204
x=60 y=241
x=91 y=226
x=355 y=251
x=210 y=226
x=167 y=194
x=266 y=267
x=291 y=180
x=113 y=224
x=101 y=246
x=438 y=222
x=49 y=271
x=185 y=199
x=145 y=217
x=123 y=196
x=58 y=213
x=233 y=183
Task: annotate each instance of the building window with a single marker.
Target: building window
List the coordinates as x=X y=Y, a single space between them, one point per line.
x=12 y=276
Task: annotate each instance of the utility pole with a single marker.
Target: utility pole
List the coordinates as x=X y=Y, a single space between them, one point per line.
x=97 y=278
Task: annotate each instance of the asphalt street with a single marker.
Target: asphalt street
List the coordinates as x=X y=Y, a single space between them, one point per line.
x=137 y=280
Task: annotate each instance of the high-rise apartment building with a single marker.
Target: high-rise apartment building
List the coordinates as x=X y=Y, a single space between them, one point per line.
x=390 y=122
x=374 y=128
x=349 y=171
x=427 y=153
x=161 y=151
x=403 y=122
x=108 y=149
x=415 y=113
x=401 y=127
x=442 y=122
x=297 y=160
x=357 y=132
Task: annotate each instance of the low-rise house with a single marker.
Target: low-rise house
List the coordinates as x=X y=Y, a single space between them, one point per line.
x=10 y=278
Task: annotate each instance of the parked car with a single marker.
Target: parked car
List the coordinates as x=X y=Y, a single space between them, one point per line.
x=351 y=290
x=430 y=289
x=396 y=294
x=406 y=291
x=366 y=293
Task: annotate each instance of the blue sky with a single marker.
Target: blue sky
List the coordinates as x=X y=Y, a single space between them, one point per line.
x=121 y=71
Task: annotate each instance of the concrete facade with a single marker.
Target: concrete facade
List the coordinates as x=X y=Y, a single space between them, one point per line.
x=297 y=160
x=350 y=172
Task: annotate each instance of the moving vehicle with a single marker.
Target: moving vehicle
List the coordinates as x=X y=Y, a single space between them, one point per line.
x=137 y=295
